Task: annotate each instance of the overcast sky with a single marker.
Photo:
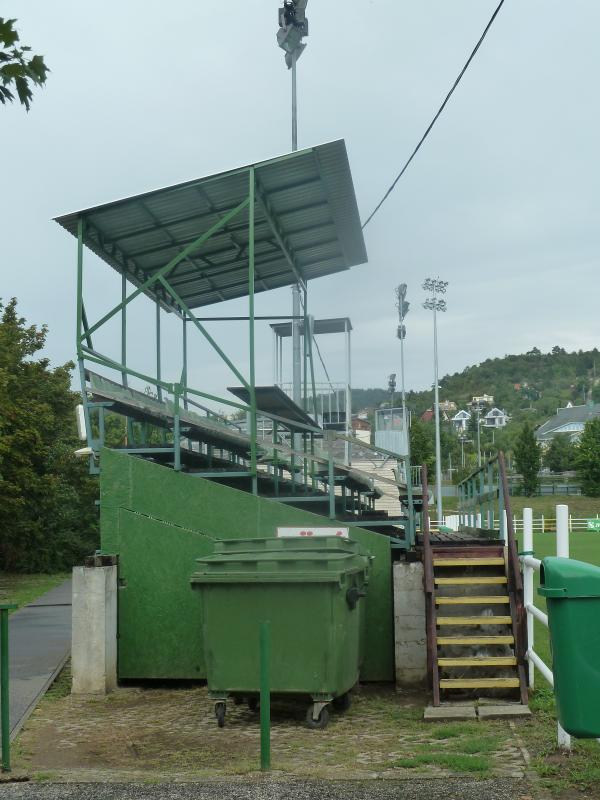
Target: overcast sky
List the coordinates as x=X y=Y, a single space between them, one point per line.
x=503 y=201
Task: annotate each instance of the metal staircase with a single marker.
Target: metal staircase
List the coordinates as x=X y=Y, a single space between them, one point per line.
x=474 y=608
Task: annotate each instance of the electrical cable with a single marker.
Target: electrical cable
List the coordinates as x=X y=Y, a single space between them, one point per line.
x=435 y=119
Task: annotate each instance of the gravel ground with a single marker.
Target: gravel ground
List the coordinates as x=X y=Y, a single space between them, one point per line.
x=268 y=789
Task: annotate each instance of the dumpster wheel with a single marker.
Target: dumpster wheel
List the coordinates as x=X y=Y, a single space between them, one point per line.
x=220 y=708
x=322 y=719
x=343 y=702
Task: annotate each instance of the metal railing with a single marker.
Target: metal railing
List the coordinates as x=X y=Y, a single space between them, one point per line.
x=530 y=564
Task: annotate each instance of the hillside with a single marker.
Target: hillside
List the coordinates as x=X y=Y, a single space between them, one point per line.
x=530 y=385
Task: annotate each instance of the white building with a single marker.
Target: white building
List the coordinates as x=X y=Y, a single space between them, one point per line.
x=496 y=418
x=461 y=420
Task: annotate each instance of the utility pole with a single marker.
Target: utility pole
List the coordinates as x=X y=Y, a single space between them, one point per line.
x=435 y=304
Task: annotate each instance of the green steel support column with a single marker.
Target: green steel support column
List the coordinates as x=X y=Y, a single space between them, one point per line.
x=176 y=429
x=185 y=362
x=79 y=283
x=158 y=364
x=331 y=486
x=123 y=328
x=481 y=493
x=490 y=488
x=305 y=349
x=312 y=367
x=312 y=463
x=265 y=696
x=251 y=210
x=86 y=327
x=275 y=461
x=4 y=698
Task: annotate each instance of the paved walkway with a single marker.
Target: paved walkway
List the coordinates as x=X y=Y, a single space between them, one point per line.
x=40 y=642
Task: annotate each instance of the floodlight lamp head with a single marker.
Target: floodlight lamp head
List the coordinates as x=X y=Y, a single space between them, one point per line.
x=293 y=26
x=401 y=332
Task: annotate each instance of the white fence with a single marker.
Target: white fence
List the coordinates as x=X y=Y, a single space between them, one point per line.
x=531 y=565
x=544 y=524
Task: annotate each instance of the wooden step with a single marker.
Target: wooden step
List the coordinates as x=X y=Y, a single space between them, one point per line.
x=471 y=580
x=479 y=683
x=495 y=620
x=469 y=640
x=488 y=661
x=468 y=562
x=498 y=599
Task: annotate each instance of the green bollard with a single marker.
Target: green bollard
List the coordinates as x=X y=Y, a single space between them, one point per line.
x=4 y=702
x=265 y=697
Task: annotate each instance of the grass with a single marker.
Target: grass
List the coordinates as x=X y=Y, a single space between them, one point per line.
x=23 y=589
x=457 y=762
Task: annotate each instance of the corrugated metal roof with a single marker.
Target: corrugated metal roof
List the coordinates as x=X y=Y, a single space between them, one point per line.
x=308 y=195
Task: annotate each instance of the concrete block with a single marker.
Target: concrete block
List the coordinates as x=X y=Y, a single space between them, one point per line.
x=409 y=624
x=446 y=713
x=94 y=636
x=503 y=711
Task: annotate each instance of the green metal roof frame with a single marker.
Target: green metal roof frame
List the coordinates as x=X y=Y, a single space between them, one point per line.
x=306 y=226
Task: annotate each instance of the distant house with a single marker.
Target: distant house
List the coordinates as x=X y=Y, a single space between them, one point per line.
x=461 y=420
x=496 y=418
x=361 y=428
x=448 y=406
x=427 y=416
x=569 y=420
x=479 y=401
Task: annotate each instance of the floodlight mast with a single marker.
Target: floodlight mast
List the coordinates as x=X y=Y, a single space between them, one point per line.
x=293 y=26
x=435 y=304
x=403 y=305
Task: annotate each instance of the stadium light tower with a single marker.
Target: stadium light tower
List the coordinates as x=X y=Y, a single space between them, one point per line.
x=293 y=26
x=434 y=303
x=402 y=305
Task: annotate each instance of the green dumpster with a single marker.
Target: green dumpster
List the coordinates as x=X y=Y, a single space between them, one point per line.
x=312 y=598
x=572 y=591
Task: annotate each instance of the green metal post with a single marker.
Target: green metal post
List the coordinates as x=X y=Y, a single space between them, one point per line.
x=251 y=209
x=331 y=486
x=490 y=488
x=4 y=699
x=265 y=696
x=158 y=364
x=275 y=461
x=185 y=361
x=79 y=283
x=305 y=349
x=123 y=328
x=176 y=429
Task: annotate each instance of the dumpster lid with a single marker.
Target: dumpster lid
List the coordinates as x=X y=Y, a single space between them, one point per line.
x=279 y=566
x=565 y=577
x=304 y=544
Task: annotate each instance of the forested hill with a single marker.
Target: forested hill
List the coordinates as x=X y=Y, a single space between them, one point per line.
x=535 y=381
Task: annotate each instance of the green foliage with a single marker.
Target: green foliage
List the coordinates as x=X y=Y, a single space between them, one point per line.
x=17 y=68
x=560 y=455
x=422 y=446
x=528 y=459
x=47 y=514
x=588 y=458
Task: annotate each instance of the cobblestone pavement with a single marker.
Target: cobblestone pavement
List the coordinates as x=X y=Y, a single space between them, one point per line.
x=140 y=735
x=416 y=789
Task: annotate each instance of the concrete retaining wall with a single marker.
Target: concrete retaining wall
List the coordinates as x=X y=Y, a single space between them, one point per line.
x=94 y=637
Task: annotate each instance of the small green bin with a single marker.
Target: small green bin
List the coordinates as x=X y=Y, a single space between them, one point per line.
x=311 y=596
x=572 y=591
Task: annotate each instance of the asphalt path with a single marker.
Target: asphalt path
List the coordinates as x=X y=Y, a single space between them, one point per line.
x=270 y=789
x=39 y=645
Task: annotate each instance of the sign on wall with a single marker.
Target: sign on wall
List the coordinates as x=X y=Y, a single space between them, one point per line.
x=289 y=533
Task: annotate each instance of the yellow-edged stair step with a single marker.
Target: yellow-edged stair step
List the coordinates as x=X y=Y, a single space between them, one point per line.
x=488 y=661
x=479 y=683
x=469 y=640
x=498 y=599
x=495 y=620
x=488 y=561
x=471 y=580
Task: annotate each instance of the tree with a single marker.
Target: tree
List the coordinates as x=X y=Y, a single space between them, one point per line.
x=528 y=459
x=48 y=520
x=17 y=68
x=588 y=458
x=422 y=449
x=560 y=456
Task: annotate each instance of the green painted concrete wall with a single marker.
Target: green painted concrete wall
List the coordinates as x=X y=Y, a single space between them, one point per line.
x=159 y=521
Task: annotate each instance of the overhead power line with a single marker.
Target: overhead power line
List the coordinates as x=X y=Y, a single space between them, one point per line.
x=435 y=119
